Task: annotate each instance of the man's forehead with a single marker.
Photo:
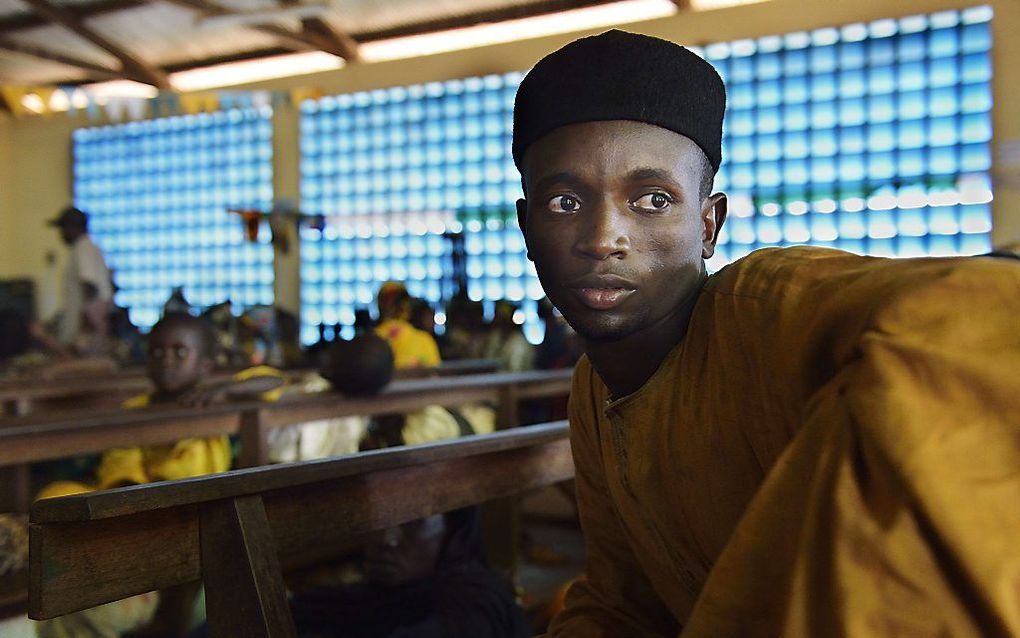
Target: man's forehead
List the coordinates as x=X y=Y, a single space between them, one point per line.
x=616 y=145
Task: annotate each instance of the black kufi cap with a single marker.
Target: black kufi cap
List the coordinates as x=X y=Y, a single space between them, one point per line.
x=622 y=76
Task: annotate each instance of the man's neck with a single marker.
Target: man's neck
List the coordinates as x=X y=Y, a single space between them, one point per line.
x=627 y=364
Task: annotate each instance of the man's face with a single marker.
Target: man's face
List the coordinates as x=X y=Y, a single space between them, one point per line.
x=615 y=225
x=406 y=553
x=176 y=359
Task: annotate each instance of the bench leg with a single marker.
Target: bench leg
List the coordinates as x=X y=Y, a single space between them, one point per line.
x=15 y=488
x=254 y=441
x=244 y=590
x=501 y=534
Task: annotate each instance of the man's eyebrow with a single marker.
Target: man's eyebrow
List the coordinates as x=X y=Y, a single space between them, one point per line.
x=650 y=174
x=555 y=178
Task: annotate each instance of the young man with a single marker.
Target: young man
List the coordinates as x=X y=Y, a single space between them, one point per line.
x=807 y=443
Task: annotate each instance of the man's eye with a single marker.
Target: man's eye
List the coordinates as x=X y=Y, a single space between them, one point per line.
x=564 y=204
x=653 y=201
x=157 y=353
x=180 y=352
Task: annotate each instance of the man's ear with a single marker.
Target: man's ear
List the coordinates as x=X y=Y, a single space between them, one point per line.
x=522 y=221
x=713 y=216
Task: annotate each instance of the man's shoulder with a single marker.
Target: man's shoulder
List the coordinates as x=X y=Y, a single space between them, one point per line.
x=818 y=286
x=763 y=271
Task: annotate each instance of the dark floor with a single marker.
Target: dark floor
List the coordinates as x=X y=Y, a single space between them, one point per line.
x=552 y=553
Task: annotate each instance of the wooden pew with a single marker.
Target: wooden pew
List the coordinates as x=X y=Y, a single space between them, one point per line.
x=58 y=435
x=235 y=530
x=22 y=397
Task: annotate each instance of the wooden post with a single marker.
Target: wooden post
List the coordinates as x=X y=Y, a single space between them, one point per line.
x=500 y=518
x=15 y=488
x=508 y=409
x=254 y=439
x=244 y=590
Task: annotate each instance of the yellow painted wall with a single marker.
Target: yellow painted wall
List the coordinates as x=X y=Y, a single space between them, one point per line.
x=35 y=181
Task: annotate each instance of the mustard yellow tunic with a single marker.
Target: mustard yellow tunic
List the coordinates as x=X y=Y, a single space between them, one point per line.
x=832 y=450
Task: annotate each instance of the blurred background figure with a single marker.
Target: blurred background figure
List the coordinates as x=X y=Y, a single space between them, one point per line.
x=424 y=579
x=360 y=367
x=177 y=304
x=423 y=316
x=87 y=288
x=465 y=329
x=412 y=348
x=559 y=347
x=506 y=342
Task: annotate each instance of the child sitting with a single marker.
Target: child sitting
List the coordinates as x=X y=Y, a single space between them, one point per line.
x=356 y=368
x=181 y=354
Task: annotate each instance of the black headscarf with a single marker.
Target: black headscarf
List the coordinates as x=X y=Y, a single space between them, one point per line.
x=461 y=598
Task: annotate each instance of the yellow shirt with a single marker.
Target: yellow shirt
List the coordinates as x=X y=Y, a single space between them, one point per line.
x=412 y=348
x=832 y=450
x=170 y=461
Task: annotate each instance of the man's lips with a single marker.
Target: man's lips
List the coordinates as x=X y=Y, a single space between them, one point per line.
x=602 y=298
x=601 y=291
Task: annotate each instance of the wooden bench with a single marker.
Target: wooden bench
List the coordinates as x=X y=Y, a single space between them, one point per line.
x=58 y=435
x=235 y=530
x=22 y=397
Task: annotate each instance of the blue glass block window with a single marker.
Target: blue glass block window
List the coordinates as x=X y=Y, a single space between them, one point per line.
x=883 y=136
x=411 y=180
x=872 y=138
x=157 y=193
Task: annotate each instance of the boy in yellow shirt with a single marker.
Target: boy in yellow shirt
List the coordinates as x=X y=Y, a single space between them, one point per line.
x=181 y=354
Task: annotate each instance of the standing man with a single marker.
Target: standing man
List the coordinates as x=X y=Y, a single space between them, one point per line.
x=87 y=288
x=808 y=443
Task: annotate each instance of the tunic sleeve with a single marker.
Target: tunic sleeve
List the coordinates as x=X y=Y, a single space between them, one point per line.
x=895 y=511
x=613 y=599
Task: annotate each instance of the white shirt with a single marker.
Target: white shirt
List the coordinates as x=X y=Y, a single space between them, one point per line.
x=85 y=264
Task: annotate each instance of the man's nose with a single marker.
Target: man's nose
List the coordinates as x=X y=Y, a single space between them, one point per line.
x=603 y=233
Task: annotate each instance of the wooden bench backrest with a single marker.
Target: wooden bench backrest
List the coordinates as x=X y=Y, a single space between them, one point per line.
x=234 y=530
x=18 y=398
x=42 y=437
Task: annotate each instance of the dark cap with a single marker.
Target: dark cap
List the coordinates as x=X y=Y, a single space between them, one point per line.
x=622 y=76
x=70 y=217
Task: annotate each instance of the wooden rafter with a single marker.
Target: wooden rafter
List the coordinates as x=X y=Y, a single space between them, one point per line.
x=304 y=40
x=45 y=54
x=342 y=43
x=133 y=67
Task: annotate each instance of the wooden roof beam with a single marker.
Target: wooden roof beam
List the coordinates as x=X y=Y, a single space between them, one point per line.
x=133 y=67
x=305 y=40
x=341 y=43
x=97 y=70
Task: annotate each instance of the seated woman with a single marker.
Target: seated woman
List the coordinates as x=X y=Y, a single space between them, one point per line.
x=424 y=579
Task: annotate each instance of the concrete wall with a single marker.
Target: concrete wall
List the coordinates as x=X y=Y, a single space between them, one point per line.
x=35 y=173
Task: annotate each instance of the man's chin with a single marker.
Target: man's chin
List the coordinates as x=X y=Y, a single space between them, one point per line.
x=600 y=331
